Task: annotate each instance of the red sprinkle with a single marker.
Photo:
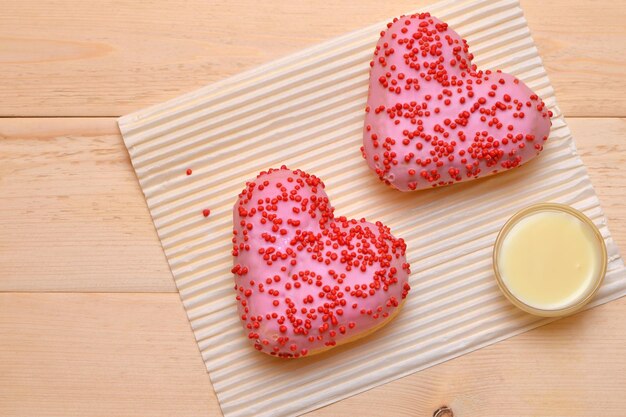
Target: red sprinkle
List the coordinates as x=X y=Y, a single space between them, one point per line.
x=284 y=227
x=433 y=118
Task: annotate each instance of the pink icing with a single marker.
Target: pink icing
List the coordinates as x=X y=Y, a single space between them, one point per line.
x=305 y=279
x=433 y=119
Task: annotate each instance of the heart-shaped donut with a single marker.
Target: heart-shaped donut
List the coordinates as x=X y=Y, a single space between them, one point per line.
x=433 y=119
x=306 y=280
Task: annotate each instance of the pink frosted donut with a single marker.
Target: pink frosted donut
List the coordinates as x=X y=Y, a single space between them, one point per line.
x=433 y=119
x=306 y=280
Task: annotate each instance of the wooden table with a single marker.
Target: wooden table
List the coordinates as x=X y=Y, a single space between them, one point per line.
x=90 y=321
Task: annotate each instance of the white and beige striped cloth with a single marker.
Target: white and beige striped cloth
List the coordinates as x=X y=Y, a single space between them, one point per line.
x=306 y=111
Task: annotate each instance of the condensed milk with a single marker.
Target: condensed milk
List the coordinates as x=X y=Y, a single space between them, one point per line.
x=549 y=259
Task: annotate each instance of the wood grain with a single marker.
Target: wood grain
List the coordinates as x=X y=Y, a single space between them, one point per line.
x=108 y=58
x=100 y=355
x=73 y=217
x=574 y=367
x=602 y=147
x=134 y=355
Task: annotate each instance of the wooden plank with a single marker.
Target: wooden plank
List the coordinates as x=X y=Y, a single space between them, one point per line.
x=601 y=145
x=100 y=355
x=73 y=217
x=575 y=367
x=134 y=355
x=109 y=58
x=584 y=63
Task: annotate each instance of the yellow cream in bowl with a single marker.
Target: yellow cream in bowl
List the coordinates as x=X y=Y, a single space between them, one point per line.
x=549 y=259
